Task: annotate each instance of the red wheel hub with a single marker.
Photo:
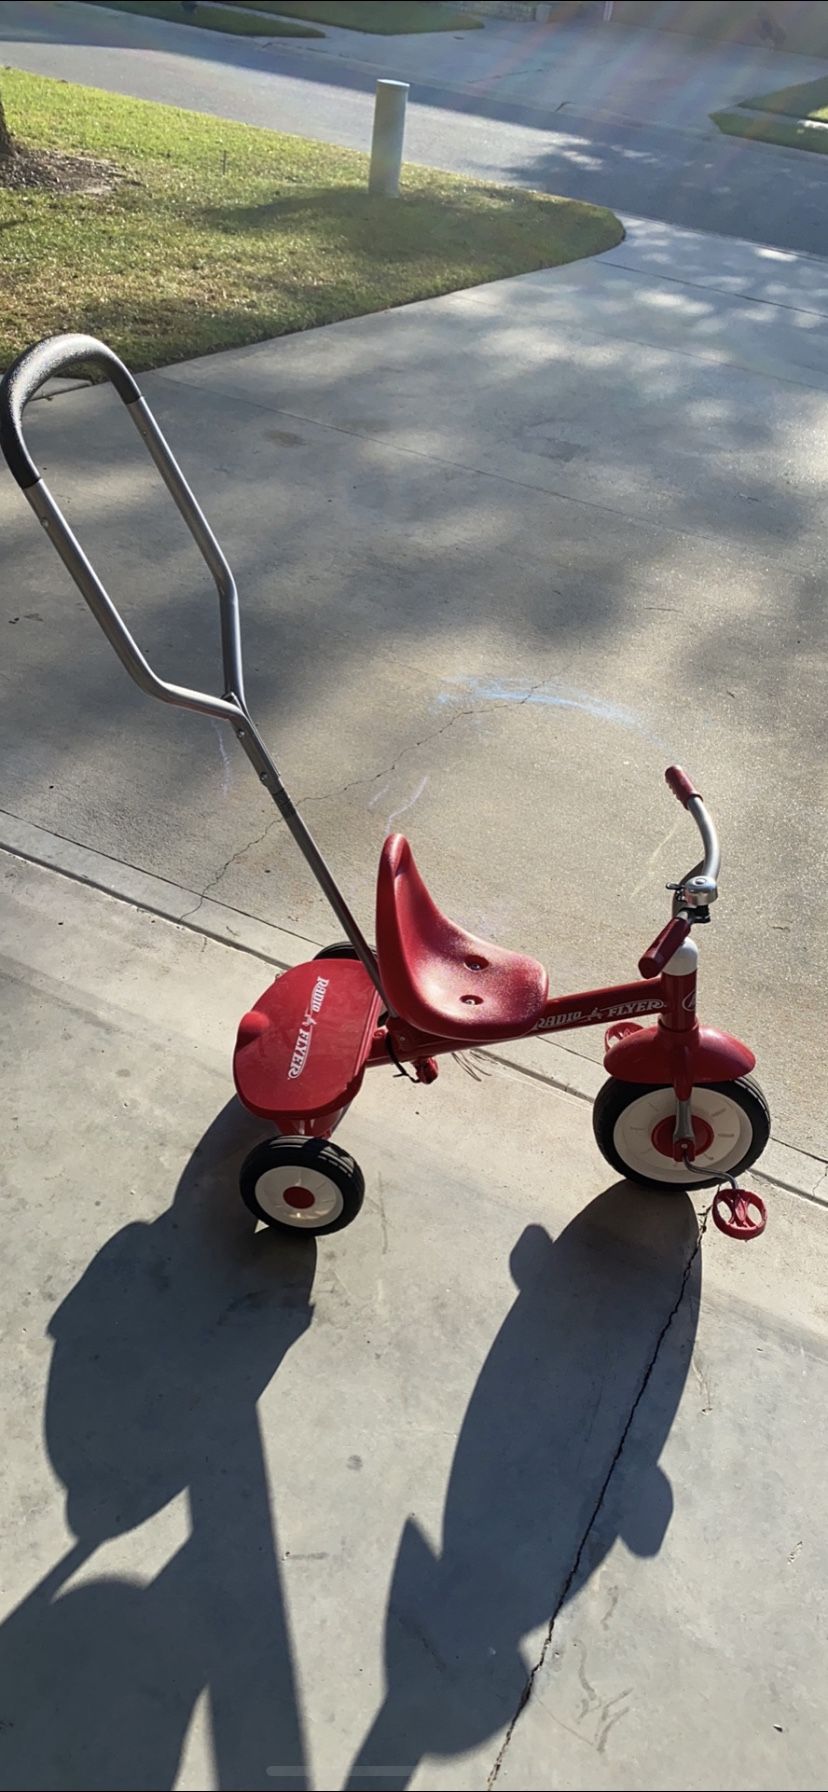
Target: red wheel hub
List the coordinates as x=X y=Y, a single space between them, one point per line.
x=299 y=1197
x=662 y=1136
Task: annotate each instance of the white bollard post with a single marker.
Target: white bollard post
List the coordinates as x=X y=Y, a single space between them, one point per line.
x=387 y=141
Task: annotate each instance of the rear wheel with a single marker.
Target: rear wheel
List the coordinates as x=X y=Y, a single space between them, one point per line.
x=302 y=1185
x=633 y=1125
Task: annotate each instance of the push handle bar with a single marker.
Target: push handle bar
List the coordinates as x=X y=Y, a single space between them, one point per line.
x=20 y=384
x=31 y=371
x=664 y=945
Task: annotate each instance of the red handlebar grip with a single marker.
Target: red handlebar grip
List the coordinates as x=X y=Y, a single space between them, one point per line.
x=664 y=945
x=680 y=784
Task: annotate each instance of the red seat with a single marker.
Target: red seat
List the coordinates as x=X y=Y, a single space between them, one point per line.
x=440 y=979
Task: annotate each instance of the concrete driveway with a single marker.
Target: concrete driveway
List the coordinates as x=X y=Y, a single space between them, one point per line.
x=510 y=1484
x=503 y=556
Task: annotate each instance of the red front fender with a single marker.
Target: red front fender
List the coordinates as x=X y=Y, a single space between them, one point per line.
x=655 y=1055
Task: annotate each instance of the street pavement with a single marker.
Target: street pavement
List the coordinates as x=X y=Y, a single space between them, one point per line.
x=617 y=117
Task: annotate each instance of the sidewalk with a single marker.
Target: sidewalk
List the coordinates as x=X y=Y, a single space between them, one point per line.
x=551 y=74
x=654 y=78
x=322 y=1505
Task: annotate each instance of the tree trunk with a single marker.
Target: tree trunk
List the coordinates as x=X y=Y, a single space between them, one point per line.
x=6 y=142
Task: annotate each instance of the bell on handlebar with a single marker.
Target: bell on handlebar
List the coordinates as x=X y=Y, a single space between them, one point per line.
x=698 y=892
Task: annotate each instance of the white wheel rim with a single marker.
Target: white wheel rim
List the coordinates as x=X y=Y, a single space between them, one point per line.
x=273 y=1195
x=633 y=1130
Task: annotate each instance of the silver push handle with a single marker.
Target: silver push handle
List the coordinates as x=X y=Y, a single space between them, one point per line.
x=21 y=383
x=700 y=886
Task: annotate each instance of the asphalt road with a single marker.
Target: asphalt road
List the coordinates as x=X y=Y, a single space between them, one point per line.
x=713 y=183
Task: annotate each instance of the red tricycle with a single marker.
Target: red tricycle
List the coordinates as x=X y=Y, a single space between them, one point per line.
x=679 y=1110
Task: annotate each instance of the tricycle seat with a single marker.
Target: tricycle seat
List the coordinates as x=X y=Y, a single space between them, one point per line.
x=437 y=977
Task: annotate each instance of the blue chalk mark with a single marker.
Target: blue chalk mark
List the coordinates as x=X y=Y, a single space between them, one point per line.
x=552 y=694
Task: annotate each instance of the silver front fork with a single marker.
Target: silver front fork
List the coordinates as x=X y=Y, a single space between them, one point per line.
x=684 y=963
x=683 y=1130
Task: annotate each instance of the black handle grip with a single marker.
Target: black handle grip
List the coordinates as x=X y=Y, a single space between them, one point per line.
x=30 y=371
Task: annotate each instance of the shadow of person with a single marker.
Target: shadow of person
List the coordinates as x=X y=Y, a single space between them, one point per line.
x=161 y=1352
x=542 y=1432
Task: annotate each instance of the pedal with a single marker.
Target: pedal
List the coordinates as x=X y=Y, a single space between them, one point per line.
x=739 y=1213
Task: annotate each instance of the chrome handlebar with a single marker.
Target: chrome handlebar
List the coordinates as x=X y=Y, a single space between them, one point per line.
x=699 y=887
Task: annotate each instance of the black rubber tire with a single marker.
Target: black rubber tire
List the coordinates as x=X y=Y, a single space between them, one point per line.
x=615 y=1096
x=314 y=1154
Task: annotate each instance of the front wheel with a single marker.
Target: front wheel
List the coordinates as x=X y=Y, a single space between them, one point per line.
x=302 y=1185
x=633 y=1125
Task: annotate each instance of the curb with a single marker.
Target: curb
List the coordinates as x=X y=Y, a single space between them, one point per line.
x=171 y=902
x=793 y=139
x=540 y=1060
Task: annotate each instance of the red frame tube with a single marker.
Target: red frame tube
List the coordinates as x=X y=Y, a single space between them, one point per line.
x=673 y=1050
x=586 y=1008
x=596 y=1007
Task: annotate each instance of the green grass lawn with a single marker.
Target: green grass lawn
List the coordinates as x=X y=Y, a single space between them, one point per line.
x=808 y=99
x=214 y=18
x=223 y=234
x=787 y=133
x=390 y=17
x=792 y=117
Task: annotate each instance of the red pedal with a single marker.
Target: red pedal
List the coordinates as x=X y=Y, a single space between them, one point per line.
x=739 y=1212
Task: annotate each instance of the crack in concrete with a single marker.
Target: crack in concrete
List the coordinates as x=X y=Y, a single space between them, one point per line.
x=703 y=1383
x=820 y=1189
x=529 y=1687
x=326 y=796
x=239 y=852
